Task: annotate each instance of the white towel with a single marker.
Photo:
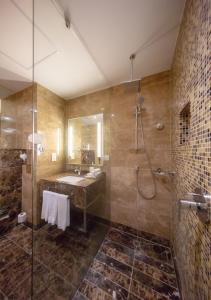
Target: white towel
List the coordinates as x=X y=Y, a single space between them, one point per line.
x=44 y=213
x=56 y=209
x=52 y=208
x=63 y=211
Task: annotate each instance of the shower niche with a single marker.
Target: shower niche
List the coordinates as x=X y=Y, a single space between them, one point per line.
x=185 y=124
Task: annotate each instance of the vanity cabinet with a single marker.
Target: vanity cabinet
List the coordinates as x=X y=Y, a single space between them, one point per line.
x=82 y=195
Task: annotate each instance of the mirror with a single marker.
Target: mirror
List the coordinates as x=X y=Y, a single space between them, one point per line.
x=85 y=140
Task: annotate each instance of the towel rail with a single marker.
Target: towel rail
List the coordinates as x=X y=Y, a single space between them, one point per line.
x=82 y=198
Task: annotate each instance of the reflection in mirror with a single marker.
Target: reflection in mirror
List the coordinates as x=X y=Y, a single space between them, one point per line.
x=85 y=140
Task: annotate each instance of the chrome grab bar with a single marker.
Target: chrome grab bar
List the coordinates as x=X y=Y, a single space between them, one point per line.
x=206 y=197
x=160 y=172
x=193 y=203
x=201 y=202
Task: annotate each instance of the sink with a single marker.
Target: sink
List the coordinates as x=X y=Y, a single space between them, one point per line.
x=70 y=179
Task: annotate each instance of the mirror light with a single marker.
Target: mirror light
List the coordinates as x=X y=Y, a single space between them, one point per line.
x=70 y=142
x=99 y=139
x=58 y=140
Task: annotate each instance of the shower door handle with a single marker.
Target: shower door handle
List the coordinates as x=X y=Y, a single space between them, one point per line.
x=202 y=203
x=193 y=204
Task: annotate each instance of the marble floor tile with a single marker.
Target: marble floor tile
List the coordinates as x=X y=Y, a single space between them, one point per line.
x=122 y=238
x=140 y=291
x=156 y=285
x=111 y=274
x=7 y=252
x=4 y=242
x=154 y=262
x=22 y=236
x=117 y=265
x=47 y=295
x=78 y=296
x=22 y=291
x=45 y=278
x=40 y=277
x=11 y=273
x=91 y=292
x=133 y=297
x=97 y=266
x=2 y=296
x=52 y=230
x=141 y=268
x=155 y=251
x=106 y=285
x=155 y=273
x=60 y=287
x=118 y=252
x=73 y=272
x=67 y=255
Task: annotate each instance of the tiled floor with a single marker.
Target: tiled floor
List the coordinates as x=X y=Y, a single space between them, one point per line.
x=128 y=267
x=125 y=266
x=61 y=260
x=16 y=264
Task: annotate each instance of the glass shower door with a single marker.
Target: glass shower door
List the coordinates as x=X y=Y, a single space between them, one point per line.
x=16 y=148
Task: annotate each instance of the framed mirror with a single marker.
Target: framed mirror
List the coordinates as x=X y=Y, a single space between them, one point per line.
x=85 y=140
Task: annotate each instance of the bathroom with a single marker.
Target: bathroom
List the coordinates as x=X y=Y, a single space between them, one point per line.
x=105 y=150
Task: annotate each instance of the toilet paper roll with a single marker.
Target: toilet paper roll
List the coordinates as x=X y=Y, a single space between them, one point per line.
x=22 y=217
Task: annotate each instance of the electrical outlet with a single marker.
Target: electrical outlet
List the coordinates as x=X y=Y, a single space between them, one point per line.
x=53 y=157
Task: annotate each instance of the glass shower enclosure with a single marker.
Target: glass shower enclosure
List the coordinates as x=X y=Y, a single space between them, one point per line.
x=16 y=148
x=36 y=260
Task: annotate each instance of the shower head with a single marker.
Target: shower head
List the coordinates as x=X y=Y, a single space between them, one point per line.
x=132 y=82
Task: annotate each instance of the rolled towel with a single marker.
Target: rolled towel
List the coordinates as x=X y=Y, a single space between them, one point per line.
x=93 y=175
x=52 y=208
x=97 y=170
x=45 y=203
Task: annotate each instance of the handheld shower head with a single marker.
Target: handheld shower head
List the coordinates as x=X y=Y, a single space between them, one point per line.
x=140 y=101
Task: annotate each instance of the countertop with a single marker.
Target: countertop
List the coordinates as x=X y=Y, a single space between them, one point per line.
x=85 y=182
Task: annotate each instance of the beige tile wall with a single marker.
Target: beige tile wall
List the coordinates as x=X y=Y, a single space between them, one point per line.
x=50 y=117
x=118 y=106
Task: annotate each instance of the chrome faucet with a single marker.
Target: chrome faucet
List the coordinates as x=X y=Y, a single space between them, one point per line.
x=78 y=170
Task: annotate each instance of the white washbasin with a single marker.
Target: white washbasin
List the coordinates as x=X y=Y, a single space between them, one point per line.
x=70 y=179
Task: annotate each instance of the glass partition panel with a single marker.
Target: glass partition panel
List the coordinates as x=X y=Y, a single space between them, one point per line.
x=16 y=148
x=63 y=254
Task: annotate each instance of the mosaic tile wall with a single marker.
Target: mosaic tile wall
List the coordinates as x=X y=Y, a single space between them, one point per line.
x=192 y=160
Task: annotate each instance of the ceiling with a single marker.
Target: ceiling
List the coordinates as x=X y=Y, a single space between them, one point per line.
x=94 y=52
